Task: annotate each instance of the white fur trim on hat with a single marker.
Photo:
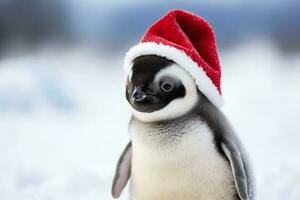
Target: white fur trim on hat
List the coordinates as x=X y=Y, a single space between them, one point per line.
x=204 y=83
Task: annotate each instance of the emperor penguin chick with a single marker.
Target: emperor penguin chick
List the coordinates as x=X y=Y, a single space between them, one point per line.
x=182 y=147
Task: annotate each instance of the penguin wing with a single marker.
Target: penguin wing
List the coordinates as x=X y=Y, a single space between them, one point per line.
x=123 y=171
x=234 y=155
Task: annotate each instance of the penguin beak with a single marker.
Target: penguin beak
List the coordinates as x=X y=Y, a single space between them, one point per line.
x=138 y=95
x=142 y=99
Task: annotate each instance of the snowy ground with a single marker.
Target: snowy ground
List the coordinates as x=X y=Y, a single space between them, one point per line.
x=63 y=121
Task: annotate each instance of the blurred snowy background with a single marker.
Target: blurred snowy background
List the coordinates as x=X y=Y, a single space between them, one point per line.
x=63 y=115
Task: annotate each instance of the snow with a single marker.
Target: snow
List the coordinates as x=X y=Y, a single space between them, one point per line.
x=63 y=120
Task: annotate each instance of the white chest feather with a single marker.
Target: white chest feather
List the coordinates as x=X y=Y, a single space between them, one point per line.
x=167 y=166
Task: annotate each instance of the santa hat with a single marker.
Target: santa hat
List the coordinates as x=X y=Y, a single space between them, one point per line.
x=188 y=40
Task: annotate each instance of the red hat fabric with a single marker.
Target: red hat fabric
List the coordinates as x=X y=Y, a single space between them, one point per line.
x=188 y=40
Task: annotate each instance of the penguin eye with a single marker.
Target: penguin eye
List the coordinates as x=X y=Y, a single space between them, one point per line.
x=167 y=87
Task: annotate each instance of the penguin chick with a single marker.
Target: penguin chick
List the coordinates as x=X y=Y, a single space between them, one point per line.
x=182 y=147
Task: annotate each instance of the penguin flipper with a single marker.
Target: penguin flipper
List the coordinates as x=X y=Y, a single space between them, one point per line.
x=123 y=171
x=234 y=155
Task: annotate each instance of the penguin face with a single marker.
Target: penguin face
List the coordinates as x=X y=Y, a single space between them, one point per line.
x=158 y=89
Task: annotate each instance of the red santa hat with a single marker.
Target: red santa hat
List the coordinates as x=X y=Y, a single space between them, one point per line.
x=188 y=40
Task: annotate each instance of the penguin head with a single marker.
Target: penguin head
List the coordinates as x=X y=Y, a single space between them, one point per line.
x=158 y=89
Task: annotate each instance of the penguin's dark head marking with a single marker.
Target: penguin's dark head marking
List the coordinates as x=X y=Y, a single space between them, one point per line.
x=147 y=95
x=159 y=89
